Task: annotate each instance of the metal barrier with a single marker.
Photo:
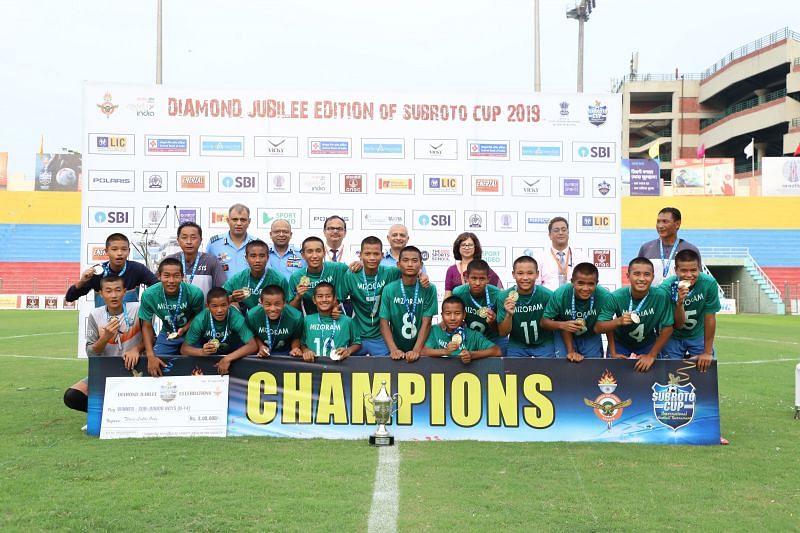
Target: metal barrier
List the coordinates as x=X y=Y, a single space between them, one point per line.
x=749 y=48
x=741 y=106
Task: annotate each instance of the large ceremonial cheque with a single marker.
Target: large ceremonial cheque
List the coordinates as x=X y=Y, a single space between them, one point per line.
x=499 y=165
x=599 y=400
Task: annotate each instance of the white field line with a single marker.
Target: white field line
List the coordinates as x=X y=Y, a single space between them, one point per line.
x=66 y=358
x=386 y=494
x=51 y=333
x=759 y=361
x=758 y=340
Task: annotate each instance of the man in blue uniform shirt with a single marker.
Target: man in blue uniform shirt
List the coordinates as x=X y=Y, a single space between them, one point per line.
x=229 y=248
x=283 y=258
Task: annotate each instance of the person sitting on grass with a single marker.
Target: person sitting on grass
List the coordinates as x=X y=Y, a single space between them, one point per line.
x=219 y=330
x=453 y=339
x=111 y=331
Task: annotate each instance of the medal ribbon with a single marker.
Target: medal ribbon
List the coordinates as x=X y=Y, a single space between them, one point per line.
x=665 y=265
x=411 y=308
x=214 y=329
x=260 y=282
x=562 y=269
x=673 y=289
x=374 y=292
x=172 y=316
x=630 y=305
x=574 y=310
x=269 y=331
x=124 y=319
x=107 y=269
x=475 y=302
x=194 y=267
x=328 y=341
x=526 y=302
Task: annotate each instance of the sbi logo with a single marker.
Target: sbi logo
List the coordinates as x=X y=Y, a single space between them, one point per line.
x=100 y=217
x=232 y=181
x=227 y=182
x=583 y=151
x=596 y=152
x=112 y=217
x=438 y=220
x=424 y=220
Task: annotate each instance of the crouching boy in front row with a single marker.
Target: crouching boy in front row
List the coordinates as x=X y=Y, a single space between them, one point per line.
x=452 y=339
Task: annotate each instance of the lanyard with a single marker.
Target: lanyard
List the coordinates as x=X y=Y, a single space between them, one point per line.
x=260 y=282
x=475 y=302
x=665 y=264
x=214 y=329
x=528 y=301
x=373 y=293
x=172 y=316
x=591 y=306
x=638 y=307
x=194 y=267
x=125 y=319
x=107 y=269
x=269 y=331
x=673 y=289
x=411 y=308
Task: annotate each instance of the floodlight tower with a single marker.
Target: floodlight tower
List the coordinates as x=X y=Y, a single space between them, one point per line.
x=581 y=13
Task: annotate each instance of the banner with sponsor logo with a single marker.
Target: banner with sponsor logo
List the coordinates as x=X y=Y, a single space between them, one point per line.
x=500 y=166
x=780 y=176
x=598 y=400
x=709 y=176
x=58 y=172
x=643 y=176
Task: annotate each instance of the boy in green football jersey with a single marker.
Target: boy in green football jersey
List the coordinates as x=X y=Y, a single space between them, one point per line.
x=219 y=330
x=696 y=298
x=364 y=289
x=572 y=314
x=317 y=270
x=176 y=303
x=643 y=322
x=480 y=302
x=521 y=315
x=277 y=326
x=452 y=339
x=325 y=336
x=407 y=308
x=245 y=287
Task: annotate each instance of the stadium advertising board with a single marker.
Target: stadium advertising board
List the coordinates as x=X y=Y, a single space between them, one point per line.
x=511 y=399
x=708 y=176
x=780 y=176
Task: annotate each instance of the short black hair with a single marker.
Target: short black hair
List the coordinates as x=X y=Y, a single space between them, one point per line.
x=640 y=261
x=170 y=261
x=255 y=243
x=111 y=278
x=216 y=292
x=674 y=211
x=554 y=220
x=587 y=269
x=373 y=240
x=273 y=290
x=324 y=284
x=525 y=259
x=410 y=249
x=687 y=256
x=117 y=237
x=333 y=217
x=453 y=300
x=478 y=265
x=313 y=238
x=194 y=225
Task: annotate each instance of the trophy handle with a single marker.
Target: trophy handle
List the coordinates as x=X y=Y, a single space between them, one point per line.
x=368 y=398
x=398 y=401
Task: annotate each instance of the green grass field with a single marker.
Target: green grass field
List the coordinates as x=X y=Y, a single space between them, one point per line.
x=56 y=478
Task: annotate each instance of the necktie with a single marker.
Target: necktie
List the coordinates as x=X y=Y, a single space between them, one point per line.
x=561 y=258
x=335 y=254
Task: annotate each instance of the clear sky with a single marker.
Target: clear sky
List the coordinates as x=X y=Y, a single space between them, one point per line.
x=48 y=47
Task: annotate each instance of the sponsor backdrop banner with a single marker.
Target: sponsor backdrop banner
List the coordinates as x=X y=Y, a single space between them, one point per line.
x=500 y=166
x=599 y=400
x=780 y=176
x=58 y=172
x=709 y=176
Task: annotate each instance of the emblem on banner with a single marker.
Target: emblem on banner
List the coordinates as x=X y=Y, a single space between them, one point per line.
x=673 y=403
x=107 y=107
x=598 y=113
x=564 y=109
x=168 y=391
x=607 y=407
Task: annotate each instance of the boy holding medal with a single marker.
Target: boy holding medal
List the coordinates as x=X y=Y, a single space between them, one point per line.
x=520 y=316
x=200 y=269
x=111 y=331
x=219 y=330
x=176 y=303
x=245 y=287
x=407 y=308
x=480 y=302
x=455 y=340
x=643 y=322
x=364 y=289
x=277 y=326
x=133 y=274
x=325 y=336
x=572 y=314
x=696 y=299
x=304 y=280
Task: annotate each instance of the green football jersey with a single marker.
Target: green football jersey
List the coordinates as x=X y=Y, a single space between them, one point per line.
x=282 y=331
x=395 y=306
x=331 y=272
x=156 y=303
x=655 y=314
x=703 y=298
x=472 y=340
x=473 y=303
x=526 y=322
x=559 y=308
x=323 y=335
x=244 y=279
x=365 y=294
x=231 y=333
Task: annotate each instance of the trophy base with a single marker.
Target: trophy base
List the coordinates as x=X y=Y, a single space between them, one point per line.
x=387 y=440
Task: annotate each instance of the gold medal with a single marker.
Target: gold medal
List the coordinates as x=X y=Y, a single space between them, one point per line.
x=457 y=338
x=305 y=280
x=635 y=317
x=215 y=343
x=172 y=336
x=246 y=292
x=483 y=312
x=513 y=295
x=684 y=284
x=265 y=351
x=335 y=356
x=581 y=322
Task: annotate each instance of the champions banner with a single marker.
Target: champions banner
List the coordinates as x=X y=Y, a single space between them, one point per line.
x=598 y=400
x=498 y=165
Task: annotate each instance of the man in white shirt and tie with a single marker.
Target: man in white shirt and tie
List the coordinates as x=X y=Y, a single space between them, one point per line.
x=335 y=229
x=558 y=259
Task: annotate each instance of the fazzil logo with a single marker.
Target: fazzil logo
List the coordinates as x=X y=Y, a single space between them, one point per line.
x=193 y=181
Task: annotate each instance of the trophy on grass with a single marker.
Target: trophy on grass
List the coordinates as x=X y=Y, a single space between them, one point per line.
x=382 y=407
